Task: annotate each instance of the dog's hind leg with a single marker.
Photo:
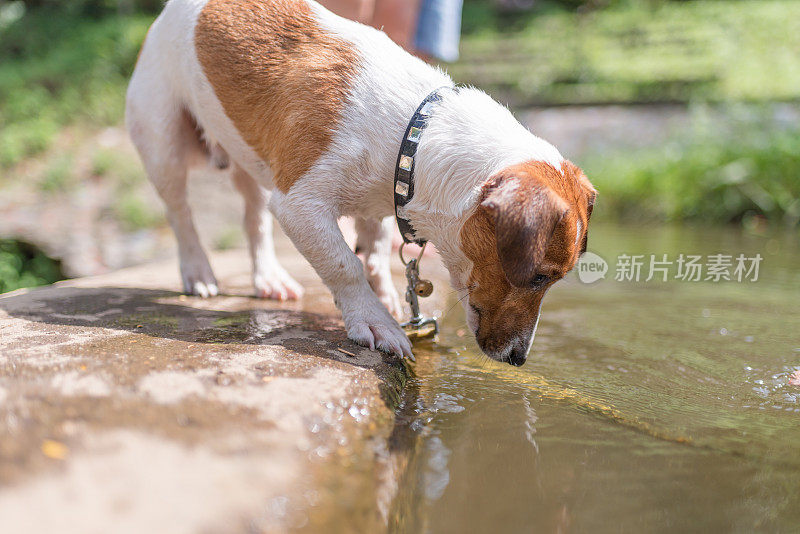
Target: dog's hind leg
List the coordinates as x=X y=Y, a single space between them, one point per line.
x=269 y=278
x=374 y=241
x=166 y=138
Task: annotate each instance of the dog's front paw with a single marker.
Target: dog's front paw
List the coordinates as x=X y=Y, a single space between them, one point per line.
x=198 y=279
x=276 y=284
x=386 y=337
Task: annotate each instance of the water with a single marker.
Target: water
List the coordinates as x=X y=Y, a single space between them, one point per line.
x=651 y=406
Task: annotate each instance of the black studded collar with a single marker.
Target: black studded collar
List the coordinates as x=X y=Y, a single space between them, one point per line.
x=404 y=169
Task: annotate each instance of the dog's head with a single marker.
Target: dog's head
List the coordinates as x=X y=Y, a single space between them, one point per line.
x=527 y=232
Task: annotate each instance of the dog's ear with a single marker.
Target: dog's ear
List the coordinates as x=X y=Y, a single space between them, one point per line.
x=525 y=216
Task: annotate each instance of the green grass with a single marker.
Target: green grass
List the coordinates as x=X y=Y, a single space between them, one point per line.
x=228 y=238
x=131 y=208
x=58 y=176
x=58 y=68
x=134 y=213
x=635 y=52
x=750 y=173
x=103 y=162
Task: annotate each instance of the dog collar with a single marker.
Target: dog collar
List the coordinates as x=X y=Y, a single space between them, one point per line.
x=404 y=169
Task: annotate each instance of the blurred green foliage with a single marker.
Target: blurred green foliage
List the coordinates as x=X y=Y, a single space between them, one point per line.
x=655 y=51
x=58 y=176
x=635 y=51
x=23 y=265
x=66 y=62
x=56 y=67
x=96 y=8
x=749 y=173
x=135 y=213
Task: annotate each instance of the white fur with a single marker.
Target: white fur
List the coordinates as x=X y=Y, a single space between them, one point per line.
x=469 y=138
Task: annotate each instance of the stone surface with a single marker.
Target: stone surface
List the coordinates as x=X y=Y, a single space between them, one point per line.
x=128 y=407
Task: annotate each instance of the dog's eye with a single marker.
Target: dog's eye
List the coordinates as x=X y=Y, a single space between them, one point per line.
x=539 y=280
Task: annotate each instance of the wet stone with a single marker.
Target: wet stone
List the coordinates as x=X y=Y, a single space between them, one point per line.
x=227 y=403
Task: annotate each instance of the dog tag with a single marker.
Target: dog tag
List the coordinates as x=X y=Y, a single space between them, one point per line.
x=418 y=326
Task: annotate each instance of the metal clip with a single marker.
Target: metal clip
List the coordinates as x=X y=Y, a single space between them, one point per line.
x=418 y=326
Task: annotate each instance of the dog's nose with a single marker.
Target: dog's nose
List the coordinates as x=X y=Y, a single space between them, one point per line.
x=517 y=356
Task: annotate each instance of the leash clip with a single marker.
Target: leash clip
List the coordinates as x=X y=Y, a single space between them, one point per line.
x=418 y=326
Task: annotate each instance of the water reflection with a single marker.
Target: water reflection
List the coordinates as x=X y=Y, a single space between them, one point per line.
x=643 y=407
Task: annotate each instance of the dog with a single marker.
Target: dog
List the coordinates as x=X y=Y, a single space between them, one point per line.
x=309 y=109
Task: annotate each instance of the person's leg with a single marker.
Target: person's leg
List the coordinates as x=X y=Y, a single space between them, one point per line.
x=398 y=18
x=358 y=10
x=439 y=29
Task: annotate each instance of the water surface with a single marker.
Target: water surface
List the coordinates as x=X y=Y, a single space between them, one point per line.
x=651 y=406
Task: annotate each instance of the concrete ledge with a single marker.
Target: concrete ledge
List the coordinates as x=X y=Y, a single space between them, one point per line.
x=124 y=404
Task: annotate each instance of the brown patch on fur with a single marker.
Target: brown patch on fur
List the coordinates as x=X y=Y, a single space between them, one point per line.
x=502 y=308
x=280 y=77
x=525 y=226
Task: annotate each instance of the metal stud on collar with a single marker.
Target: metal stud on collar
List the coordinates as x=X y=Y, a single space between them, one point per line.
x=418 y=326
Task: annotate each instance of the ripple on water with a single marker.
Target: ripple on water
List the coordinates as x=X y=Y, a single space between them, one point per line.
x=774 y=387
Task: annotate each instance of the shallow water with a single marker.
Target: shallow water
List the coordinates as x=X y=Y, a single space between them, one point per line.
x=650 y=406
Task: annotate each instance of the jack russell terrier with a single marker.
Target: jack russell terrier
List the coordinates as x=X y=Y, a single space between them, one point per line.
x=309 y=109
